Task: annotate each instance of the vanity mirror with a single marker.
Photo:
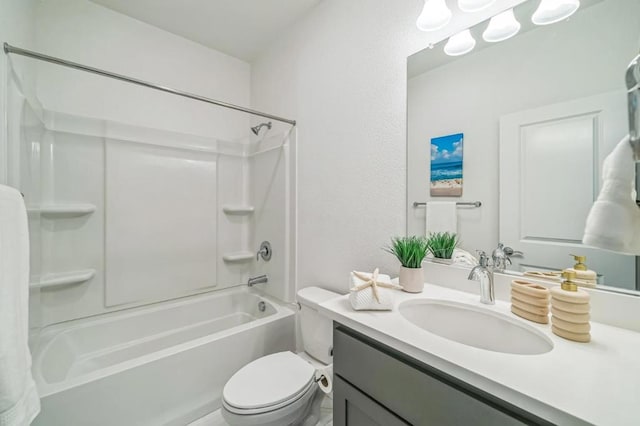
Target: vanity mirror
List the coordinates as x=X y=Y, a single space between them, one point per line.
x=539 y=113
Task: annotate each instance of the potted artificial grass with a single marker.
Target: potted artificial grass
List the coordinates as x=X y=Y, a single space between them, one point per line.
x=410 y=251
x=442 y=245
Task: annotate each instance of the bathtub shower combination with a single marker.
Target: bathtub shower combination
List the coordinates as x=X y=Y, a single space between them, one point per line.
x=142 y=241
x=163 y=364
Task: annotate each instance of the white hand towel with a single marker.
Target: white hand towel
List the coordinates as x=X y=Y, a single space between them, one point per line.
x=19 y=403
x=614 y=220
x=463 y=257
x=441 y=216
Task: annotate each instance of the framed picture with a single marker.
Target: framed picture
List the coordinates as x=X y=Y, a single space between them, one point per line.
x=446 y=166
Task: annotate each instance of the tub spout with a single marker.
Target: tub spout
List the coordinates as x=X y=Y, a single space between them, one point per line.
x=260 y=279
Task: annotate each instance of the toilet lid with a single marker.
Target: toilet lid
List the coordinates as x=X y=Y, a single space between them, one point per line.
x=268 y=381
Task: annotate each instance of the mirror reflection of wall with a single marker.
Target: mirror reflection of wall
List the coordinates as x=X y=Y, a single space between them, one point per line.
x=542 y=67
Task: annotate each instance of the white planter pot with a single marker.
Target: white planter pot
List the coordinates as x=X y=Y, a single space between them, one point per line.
x=411 y=279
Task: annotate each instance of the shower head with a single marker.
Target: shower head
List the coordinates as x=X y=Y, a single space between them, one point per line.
x=257 y=128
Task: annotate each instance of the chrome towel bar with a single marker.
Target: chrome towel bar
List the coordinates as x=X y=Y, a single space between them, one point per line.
x=475 y=204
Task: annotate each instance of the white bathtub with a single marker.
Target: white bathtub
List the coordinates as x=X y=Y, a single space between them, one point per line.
x=165 y=364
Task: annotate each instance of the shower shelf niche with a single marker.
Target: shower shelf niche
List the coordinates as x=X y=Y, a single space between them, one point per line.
x=61 y=279
x=63 y=210
x=238 y=256
x=238 y=209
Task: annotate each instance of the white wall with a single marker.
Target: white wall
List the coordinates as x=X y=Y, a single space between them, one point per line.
x=271 y=193
x=77 y=165
x=16 y=28
x=341 y=72
x=81 y=31
x=543 y=66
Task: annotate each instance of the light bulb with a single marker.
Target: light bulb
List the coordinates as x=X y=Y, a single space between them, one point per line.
x=435 y=15
x=460 y=44
x=501 y=27
x=474 y=5
x=552 y=11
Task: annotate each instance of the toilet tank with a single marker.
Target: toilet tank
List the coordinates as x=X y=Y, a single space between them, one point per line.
x=316 y=329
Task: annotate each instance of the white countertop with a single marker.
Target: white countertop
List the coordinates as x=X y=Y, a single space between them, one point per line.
x=575 y=383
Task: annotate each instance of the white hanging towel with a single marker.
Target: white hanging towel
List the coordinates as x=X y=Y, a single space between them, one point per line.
x=441 y=216
x=19 y=403
x=614 y=220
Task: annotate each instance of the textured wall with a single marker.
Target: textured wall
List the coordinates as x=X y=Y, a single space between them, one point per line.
x=341 y=72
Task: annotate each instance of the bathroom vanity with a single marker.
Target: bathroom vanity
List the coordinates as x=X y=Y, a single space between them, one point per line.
x=391 y=370
x=375 y=384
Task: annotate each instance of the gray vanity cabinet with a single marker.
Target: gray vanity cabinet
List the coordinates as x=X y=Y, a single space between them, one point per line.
x=357 y=409
x=377 y=385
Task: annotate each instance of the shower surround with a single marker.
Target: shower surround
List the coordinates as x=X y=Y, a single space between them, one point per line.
x=123 y=216
x=142 y=242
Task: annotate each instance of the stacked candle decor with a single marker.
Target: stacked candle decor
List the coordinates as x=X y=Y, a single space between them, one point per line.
x=570 y=310
x=530 y=301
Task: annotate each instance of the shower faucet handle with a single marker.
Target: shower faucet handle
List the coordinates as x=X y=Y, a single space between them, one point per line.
x=264 y=251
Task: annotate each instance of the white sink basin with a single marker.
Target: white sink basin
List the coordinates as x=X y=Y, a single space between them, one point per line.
x=476 y=327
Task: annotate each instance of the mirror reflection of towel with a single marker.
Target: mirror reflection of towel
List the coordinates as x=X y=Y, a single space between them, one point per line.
x=441 y=216
x=614 y=220
x=463 y=257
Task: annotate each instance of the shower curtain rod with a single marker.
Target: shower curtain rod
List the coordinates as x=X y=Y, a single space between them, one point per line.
x=35 y=55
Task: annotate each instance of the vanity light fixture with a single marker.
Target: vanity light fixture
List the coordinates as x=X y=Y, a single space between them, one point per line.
x=474 y=5
x=501 y=27
x=552 y=11
x=435 y=15
x=460 y=44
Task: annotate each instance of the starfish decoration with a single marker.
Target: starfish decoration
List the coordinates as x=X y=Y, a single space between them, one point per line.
x=373 y=283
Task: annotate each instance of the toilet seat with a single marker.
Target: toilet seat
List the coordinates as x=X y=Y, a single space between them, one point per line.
x=268 y=383
x=291 y=414
x=271 y=408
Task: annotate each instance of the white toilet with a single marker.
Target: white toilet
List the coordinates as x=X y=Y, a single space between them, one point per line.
x=280 y=389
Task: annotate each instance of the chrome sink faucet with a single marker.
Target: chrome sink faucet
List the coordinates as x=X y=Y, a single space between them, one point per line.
x=500 y=258
x=484 y=274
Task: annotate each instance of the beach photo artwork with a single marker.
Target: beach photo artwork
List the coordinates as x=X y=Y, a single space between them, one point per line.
x=446 y=166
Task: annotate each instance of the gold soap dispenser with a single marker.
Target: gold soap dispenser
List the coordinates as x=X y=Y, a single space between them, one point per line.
x=579 y=266
x=584 y=276
x=570 y=309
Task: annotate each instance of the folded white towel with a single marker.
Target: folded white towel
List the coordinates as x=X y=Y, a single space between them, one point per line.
x=463 y=257
x=614 y=220
x=365 y=299
x=442 y=216
x=19 y=403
